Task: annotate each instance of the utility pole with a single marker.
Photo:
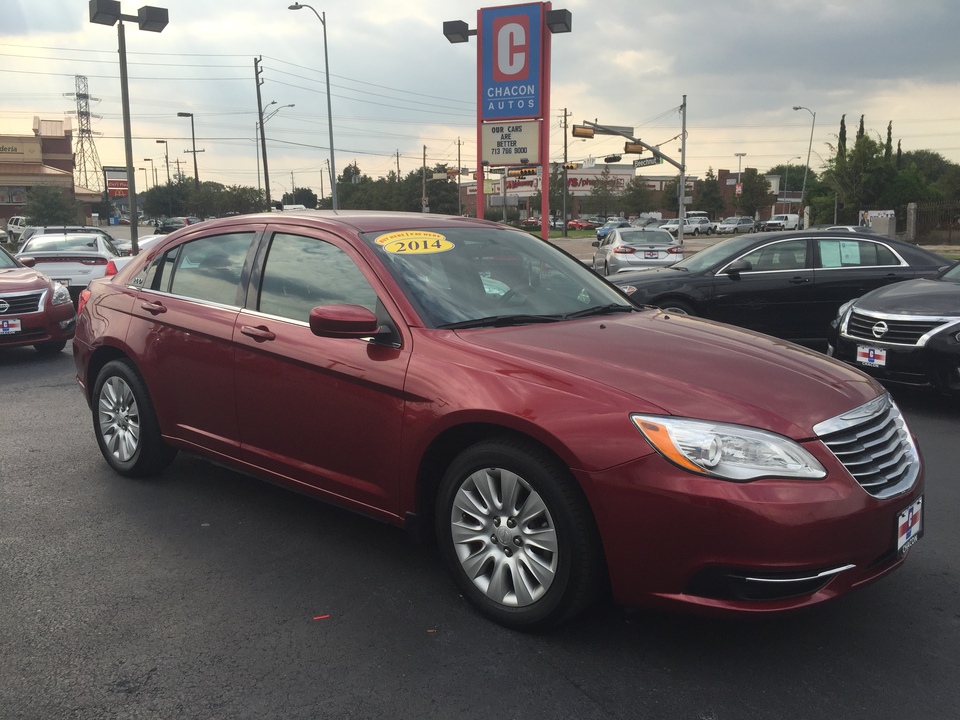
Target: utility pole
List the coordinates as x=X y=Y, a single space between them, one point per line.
x=565 y=186
x=423 y=198
x=263 y=140
x=398 y=166
x=459 y=167
x=683 y=170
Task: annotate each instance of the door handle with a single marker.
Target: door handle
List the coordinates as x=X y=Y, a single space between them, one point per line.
x=153 y=308
x=799 y=280
x=260 y=333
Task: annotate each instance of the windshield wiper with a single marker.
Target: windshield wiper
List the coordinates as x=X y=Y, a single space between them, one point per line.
x=500 y=321
x=600 y=310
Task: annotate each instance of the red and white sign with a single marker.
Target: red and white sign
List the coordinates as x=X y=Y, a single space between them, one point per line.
x=511 y=48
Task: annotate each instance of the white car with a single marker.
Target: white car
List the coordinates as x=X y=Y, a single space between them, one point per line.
x=701 y=225
x=673 y=226
x=70 y=259
x=15 y=226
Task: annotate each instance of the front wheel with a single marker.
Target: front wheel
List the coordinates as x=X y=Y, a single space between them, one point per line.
x=518 y=535
x=677 y=307
x=125 y=424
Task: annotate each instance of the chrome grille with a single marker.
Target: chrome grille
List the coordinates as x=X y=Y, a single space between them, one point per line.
x=875 y=446
x=899 y=331
x=19 y=304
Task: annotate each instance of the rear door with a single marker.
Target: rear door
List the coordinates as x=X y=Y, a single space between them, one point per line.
x=318 y=411
x=187 y=309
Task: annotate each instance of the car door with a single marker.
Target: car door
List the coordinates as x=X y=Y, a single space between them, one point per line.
x=771 y=297
x=184 y=315
x=850 y=267
x=319 y=411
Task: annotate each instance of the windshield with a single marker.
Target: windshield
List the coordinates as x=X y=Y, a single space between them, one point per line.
x=489 y=276
x=646 y=236
x=5 y=260
x=716 y=254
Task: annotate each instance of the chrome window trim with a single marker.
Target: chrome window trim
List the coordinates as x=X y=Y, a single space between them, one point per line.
x=898 y=256
x=778 y=241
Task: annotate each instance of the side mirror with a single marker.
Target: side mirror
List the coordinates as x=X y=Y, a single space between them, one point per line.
x=28 y=261
x=596 y=243
x=735 y=268
x=343 y=321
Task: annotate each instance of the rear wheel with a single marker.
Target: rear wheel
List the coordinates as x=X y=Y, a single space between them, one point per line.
x=518 y=535
x=125 y=424
x=606 y=269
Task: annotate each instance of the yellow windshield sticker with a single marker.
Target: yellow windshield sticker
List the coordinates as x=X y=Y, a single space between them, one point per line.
x=414 y=242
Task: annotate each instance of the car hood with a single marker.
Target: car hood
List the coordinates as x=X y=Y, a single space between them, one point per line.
x=22 y=279
x=914 y=297
x=652 y=275
x=691 y=367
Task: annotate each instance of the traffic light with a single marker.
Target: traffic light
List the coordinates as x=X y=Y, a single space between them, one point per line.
x=612 y=159
x=582 y=131
x=571 y=166
x=517 y=172
x=633 y=148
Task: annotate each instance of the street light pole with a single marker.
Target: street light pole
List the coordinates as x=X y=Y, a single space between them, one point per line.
x=326 y=66
x=166 y=157
x=153 y=170
x=813 y=124
x=263 y=143
x=193 y=137
x=786 y=176
x=151 y=19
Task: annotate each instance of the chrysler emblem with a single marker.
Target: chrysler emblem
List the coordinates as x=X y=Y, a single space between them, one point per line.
x=879 y=330
x=4 y=306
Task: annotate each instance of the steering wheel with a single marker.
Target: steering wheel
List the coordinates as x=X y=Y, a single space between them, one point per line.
x=520 y=291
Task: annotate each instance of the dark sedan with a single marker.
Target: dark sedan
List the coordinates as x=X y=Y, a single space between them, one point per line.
x=789 y=285
x=907 y=333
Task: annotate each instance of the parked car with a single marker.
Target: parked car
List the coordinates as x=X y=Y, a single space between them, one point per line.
x=15 y=226
x=70 y=259
x=907 y=333
x=610 y=225
x=781 y=222
x=634 y=248
x=530 y=222
x=736 y=225
x=580 y=224
x=642 y=222
x=143 y=242
x=171 y=224
x=701 y=225
x=34 y=310
x=672 y=226
x=31 y=230
x=545 y=430
x=788 y=285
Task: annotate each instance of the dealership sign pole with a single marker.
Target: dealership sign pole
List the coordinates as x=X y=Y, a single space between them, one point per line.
x=513 y=90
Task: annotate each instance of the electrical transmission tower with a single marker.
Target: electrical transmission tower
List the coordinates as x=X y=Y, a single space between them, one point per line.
x=87 y=171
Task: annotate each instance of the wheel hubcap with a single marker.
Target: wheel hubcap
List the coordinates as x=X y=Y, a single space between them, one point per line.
x=119 y=419
x=504 y=537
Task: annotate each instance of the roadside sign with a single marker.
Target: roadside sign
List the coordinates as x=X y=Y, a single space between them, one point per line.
x=511 y=143
x=644 y=162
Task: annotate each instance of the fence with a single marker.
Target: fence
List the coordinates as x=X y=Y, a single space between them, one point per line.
x=938 y=223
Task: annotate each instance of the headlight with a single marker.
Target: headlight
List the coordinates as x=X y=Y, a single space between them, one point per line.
x=730 y=452
x=60 y=294
x=845 y=308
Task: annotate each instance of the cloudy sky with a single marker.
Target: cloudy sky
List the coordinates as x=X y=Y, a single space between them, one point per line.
x=397 y=85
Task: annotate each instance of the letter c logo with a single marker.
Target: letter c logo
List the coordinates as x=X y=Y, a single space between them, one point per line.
x=511 y=48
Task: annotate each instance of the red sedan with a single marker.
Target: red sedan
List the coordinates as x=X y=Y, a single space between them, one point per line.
x=458 y=375
x=578 y=224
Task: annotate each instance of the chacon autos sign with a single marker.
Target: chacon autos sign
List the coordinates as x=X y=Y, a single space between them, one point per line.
x=511 y=66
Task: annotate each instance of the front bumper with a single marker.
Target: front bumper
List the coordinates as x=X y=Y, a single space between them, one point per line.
x=50 y=324
x=680 y=541
x=934 y=365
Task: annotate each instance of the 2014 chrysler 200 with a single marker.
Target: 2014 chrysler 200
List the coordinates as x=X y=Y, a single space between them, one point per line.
x=460 y=375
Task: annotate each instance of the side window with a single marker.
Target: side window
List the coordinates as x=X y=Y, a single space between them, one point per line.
x=301 y=273
x=208 y=268
x=790 y=255
x=854 y=253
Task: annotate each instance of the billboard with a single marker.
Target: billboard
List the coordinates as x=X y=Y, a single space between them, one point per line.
x=115 y=181
x=511 y=62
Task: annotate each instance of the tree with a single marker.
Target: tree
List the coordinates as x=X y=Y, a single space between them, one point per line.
x=637 y=197
x=603 y=195
x=755 y=192
x=708 y=195
x=50 y=205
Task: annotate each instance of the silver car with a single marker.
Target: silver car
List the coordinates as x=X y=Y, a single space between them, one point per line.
x=631 y=248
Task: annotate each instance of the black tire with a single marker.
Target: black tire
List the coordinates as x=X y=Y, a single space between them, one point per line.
x=125 y=424
x=696 y=231
x=606 y=269
x=677 y=307
x=518 y=535
x=51 y=347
